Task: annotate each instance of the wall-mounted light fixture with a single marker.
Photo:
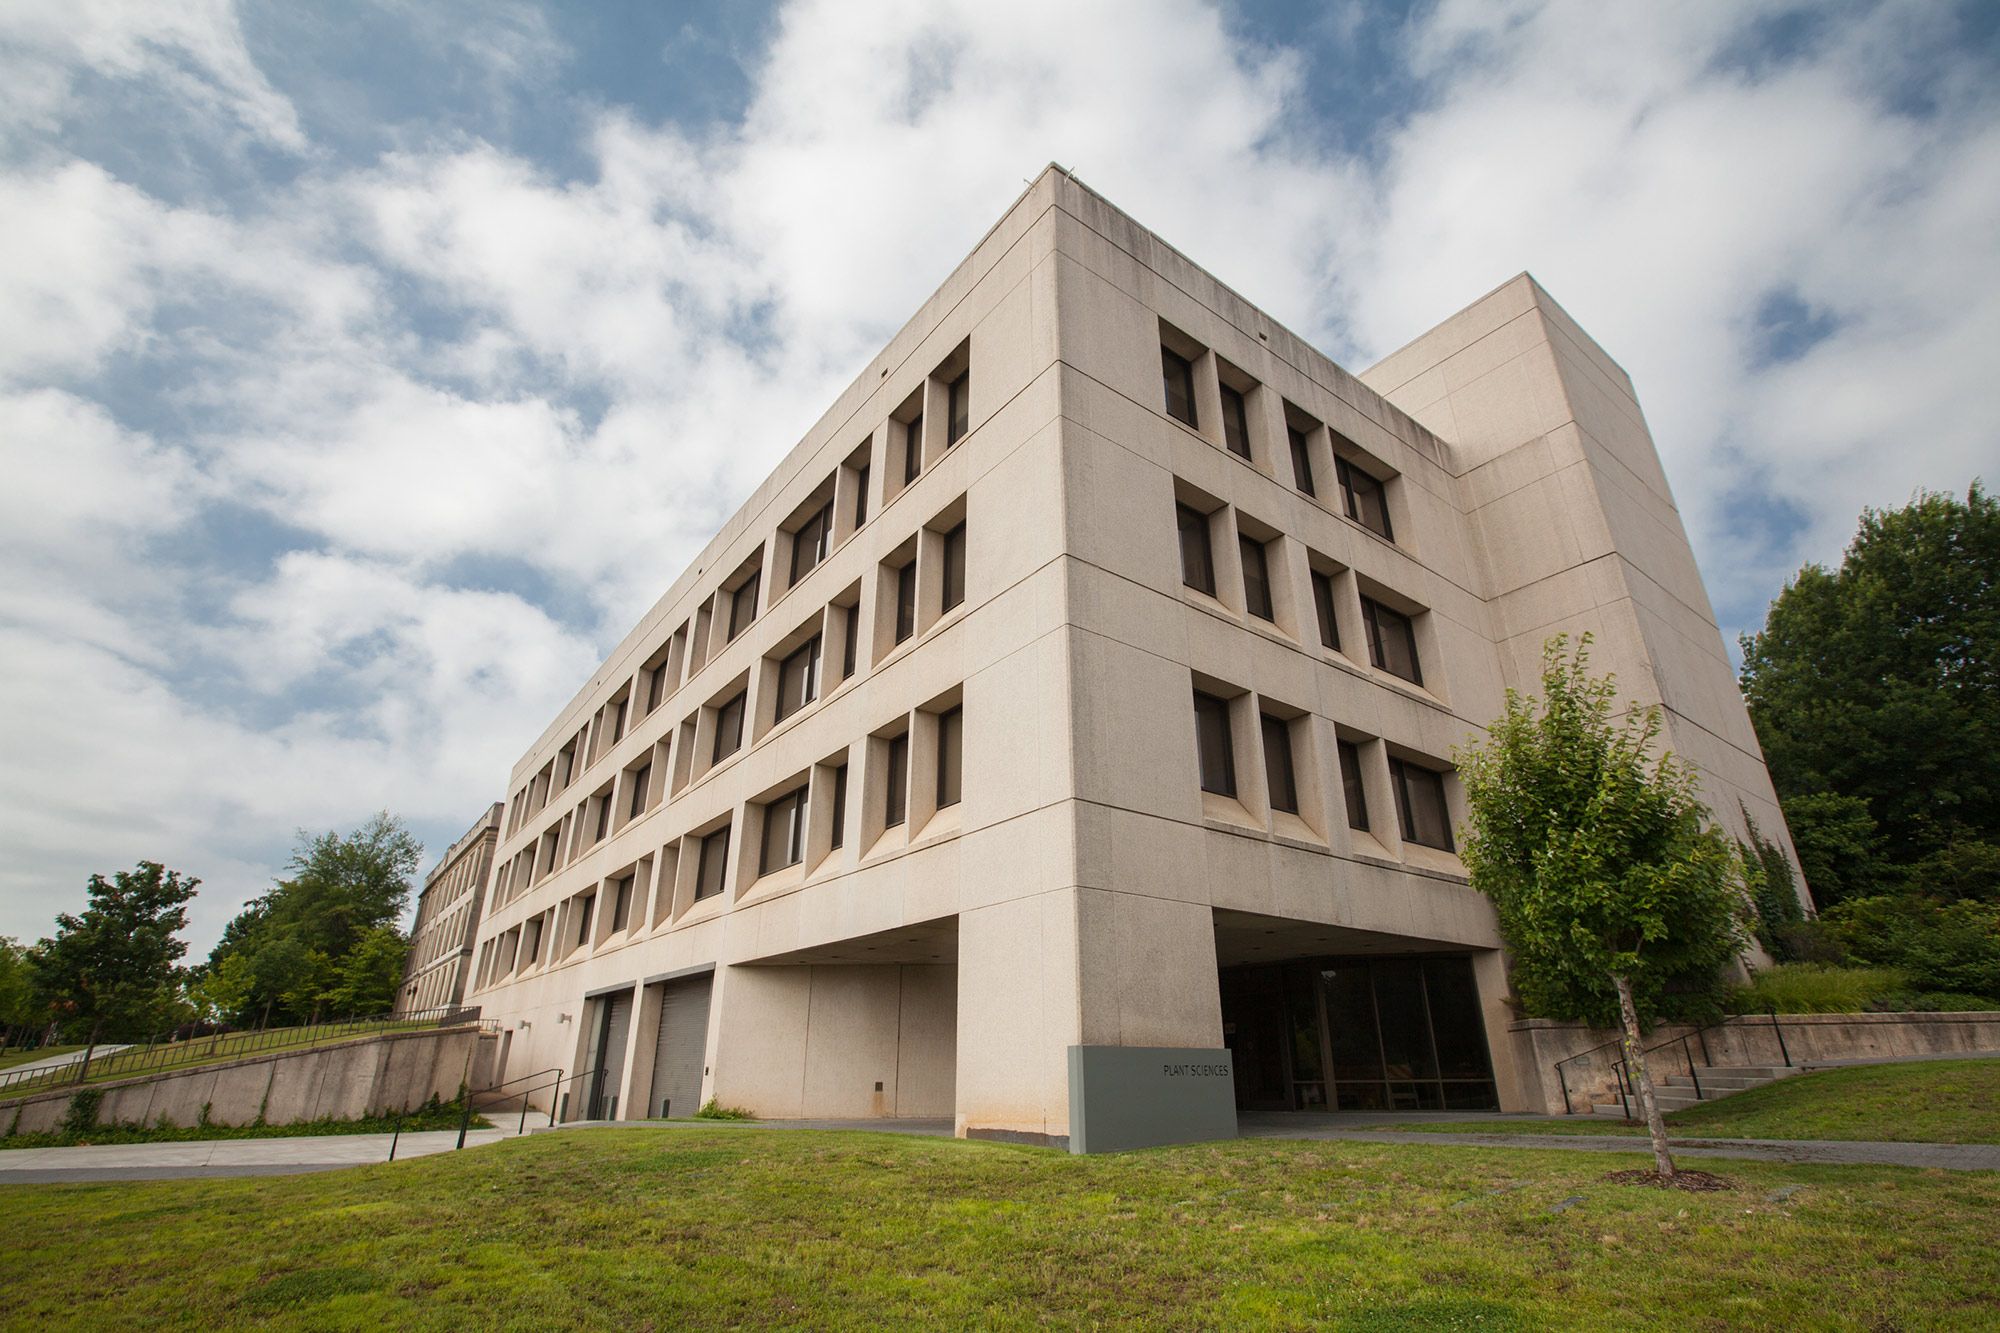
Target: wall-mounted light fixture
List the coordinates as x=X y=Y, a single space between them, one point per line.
x=562 y=1018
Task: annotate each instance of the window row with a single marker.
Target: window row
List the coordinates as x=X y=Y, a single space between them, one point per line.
x=1202 y=387
x=911 y=775
x=1277 y=741
x=832 y=513
x=1385 y=624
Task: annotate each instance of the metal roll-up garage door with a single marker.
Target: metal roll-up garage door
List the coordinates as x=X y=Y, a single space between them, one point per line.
x=677 y=1067
x=614 y=1025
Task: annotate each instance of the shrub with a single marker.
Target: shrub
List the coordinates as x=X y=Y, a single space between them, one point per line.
x=82 y=1113
x=713 y=1110
x=1814 y=988
x=1932 y=1002
x=1951 y=946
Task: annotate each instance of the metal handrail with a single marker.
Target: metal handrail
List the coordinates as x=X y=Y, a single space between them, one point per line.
x=1621 y=1068
x=156 y=1058
x=465 y=1121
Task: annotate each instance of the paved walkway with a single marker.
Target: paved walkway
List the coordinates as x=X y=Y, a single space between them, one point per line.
x=67 y=1058
x=295 y=1155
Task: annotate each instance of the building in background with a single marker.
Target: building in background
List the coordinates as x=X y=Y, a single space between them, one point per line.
x=1088 y=678
x=447 y=921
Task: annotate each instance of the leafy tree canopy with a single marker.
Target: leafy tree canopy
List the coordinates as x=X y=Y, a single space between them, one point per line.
x=17 y=990
x=1879 y=683
x=114 y=969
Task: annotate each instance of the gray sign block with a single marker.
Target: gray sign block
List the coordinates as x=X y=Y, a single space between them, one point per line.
x=1123 y=1097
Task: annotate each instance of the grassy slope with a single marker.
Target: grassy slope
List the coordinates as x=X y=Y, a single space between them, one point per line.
x=745 y=1228
x=203 y=1051
x=1938 y=1101
x=14 y=1056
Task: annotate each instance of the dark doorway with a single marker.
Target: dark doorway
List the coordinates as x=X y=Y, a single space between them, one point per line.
x=1358 y=1034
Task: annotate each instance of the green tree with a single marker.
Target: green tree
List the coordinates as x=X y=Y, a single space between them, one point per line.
x=17 y=990
x=1880 y=682
x=1840 y=850
x=113 y=970
x=1610 y=882
x=370 y=973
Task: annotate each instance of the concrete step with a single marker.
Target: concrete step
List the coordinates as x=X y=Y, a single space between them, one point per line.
x=1676 y=1092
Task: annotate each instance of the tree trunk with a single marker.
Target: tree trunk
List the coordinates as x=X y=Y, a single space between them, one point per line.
x=1635 y=1060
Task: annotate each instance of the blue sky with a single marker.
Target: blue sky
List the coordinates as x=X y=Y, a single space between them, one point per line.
x=367 y=368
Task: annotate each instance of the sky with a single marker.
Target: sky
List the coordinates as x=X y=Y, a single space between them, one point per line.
x=368 y=368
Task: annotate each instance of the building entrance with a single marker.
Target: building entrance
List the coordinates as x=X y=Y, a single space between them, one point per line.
x=1358 y=1034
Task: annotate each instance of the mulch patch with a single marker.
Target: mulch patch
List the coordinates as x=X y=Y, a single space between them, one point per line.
x=1700 y=1182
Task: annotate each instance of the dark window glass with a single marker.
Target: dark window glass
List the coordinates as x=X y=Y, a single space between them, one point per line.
x=656 y=683
x=839 y=836
x=1405 y=1022
x=583 y=919
x=728 y=729
x=1211 y=731
x=906 y=601
x=1366 y=502
x=1278 y=764
x=1455 y=1028
x=798 y=679
x=950 y=757
x=1302 y=467
x=812 y=542
x=1329 y=628
x=621 y=911
x=784 y=833
x=898 y=779
x=1420 y=804
x=743 y=604
x=861 y=495
x=851 y=650
x=958 y=417
x=913 y=448
x=714 y=864
x=1350 y=785
x=618 y=720
x=1235 y=423
x=603 y=818
x=1256 y=578
x=1197 y=564
x=640 y=777
x=1392 y=642
x=954 y=567
x=1179 y=374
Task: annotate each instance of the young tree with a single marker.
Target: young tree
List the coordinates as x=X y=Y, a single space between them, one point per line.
x=112 y=971
x=17 y=1011
x=1607 y=876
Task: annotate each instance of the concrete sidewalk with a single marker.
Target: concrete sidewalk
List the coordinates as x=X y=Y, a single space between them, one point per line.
x=1950 y=1156
x=295 y=1155
x=67 y=1058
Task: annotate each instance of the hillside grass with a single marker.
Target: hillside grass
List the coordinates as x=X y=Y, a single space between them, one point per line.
x=737 y=1228
x=1931 y=1101
x=14 y=1055
x=173 y=1056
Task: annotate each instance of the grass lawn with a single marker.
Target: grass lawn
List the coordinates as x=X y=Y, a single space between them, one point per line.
x=741 y=1228
x=1933 y=1101
x=16 y=1056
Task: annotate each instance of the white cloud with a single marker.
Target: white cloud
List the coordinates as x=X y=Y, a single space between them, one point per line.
x=484 y=412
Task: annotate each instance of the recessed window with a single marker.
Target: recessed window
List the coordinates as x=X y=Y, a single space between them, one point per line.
x=1179 y=373
x=906 y=601
x=958 y=414
x=861 y=495
x=1392 y=641
x=812 y=542
x=603 y=819
x=618 y=720
x=1235 y=423
x=641 y=776
x=838 y=836
x=621 y=908
x=1197 y=561
x=1256 y=578
x=954 y=566
x=1350 y=785
x=950 y=756
x=913 y=448
x=1420 y=804
x=583 y=920
x=656 y=686
x=798 y=679
x=1211 y=732
x=1329 y=627
x=1367 y=503
x=898 y=780
x=1302 y=467
x=714 y=864
x=851 y=649
x=728 y=728
x=743 y=604
x=1278 y=772
x=784 y=832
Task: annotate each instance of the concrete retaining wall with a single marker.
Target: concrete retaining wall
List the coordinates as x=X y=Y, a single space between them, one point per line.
x=1753 y=1040
x=374 y=1073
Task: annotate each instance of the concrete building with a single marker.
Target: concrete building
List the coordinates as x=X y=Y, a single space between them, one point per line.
x=1089 y=677
x=447 y=921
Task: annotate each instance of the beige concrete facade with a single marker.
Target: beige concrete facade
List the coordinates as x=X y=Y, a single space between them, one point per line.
x=447 y=921
x=1085 y=889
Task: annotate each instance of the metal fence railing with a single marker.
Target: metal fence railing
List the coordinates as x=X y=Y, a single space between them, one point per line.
x=162 y=1056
